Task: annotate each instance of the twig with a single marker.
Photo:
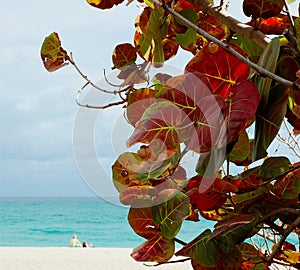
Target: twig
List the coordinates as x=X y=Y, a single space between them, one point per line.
x=169 y=262
x=290 y=133
x=180 y=241
x=226 y=47
x=71 y=60
x=283 y=140
x=292 y=138
x=286 y=233
x=94 y=106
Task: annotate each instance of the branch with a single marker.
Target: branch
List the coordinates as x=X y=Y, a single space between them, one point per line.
x=286 y=233
x=226 y=47
x=280 y=210
x=233 y=24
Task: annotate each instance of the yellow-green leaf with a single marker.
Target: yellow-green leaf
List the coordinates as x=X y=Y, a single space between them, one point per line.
x=53 y=55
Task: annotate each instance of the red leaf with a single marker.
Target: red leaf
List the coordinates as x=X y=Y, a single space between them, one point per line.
x=123 y=55
x=138 y=102
x=201 y=110
x=248 y=180
x=140 y=220
x=287 y=68
x=53 y=55
x=242 y=105
x=157 y=126
x=170 y=48
x=104 y=4
x=142 y=193
x=156 y=249
x=222 y=69
x=207 y=193
x=294 y=120
x=262 y=8
x=184 y=4
x=272 y=26
x=215 y=215
x=212 y=26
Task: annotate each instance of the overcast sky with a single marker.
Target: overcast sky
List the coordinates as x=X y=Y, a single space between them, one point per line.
x=41 y=125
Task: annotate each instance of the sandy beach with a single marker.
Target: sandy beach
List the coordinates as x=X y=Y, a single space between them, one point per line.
x=30 y=258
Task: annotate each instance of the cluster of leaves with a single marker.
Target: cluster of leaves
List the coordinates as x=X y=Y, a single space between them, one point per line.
x=207 y=111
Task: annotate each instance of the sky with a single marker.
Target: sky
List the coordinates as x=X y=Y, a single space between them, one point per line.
x=49 y=146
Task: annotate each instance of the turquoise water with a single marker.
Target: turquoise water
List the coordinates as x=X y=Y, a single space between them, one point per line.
x=47 y=222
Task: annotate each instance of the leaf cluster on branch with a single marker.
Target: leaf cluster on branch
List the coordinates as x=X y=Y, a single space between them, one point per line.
x=241 y=77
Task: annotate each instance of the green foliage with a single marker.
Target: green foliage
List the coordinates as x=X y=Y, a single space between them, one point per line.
x=209 y=111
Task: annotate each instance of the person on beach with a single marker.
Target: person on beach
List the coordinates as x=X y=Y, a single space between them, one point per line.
x=75 y=242
x=86 y=245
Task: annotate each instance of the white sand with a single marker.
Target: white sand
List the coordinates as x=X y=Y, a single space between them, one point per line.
x=12 y=258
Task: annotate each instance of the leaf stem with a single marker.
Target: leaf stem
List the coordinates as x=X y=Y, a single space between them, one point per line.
x=226 y=47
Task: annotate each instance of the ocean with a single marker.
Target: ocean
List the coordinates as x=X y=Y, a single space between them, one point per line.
x=51 y=222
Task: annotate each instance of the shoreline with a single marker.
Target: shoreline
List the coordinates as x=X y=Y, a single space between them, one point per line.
x=66 y=258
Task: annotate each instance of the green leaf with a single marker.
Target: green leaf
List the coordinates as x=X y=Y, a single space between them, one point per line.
x=202 y=250
x=288 y=187
x=274 y=166
x=231 y=223
x=153 y=35
x=297 y=27
x=149 y=3
x=241 y=148
x=268 y=60
x=268 y=122
x=233 y=236
x=189 y=14
x=247 y=197
x=189 y=37
x=250 y=47
x=209 y=163
x=172 y=208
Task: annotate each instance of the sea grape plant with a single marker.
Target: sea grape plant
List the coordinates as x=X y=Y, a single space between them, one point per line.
x=241 y=84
